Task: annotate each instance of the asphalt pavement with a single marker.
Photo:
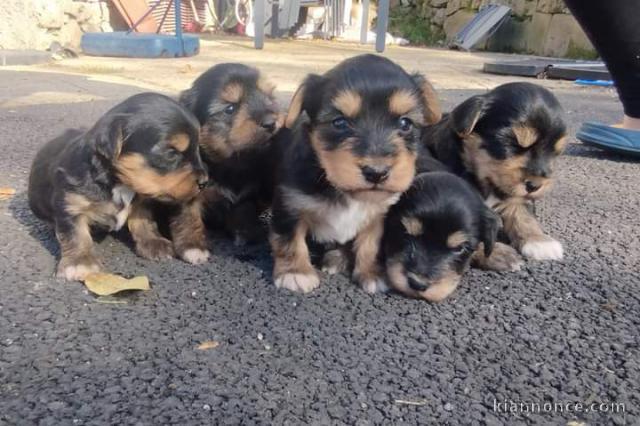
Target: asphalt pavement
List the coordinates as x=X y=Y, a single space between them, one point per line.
x=555 y=332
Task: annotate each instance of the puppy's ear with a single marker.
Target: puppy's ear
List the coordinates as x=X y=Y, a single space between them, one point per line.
x=465 y=116
x=108 y=136
x=491 y=224
x=433 y=111
x=307 y=98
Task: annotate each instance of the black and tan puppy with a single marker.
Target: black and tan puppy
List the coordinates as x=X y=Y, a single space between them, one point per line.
x=439 y=227
x=347 y=159
x=145 y=148
x=505 y=142
x=238 y=116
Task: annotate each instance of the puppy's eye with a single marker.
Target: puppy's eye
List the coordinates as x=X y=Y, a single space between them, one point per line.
x=405 y=124
x=462 y=249
x=340 y=123
x=230 y=109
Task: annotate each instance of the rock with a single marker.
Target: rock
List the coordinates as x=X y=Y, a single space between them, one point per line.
x=438 y=3
x=438 y=17
x=454 y=5
x=564 y=31
x=70 y=35
x=551 y=6
x=523 y=8
x=537 y=32
x=49 y=14
x=82 y=12
x=455 y=22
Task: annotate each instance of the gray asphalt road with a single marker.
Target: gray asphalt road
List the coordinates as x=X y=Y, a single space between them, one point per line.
x=551 y=333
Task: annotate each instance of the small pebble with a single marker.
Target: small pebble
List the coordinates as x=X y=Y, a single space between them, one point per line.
x=448 y=407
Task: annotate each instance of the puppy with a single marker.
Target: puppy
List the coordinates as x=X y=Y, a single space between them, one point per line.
x=238 y=116
x=439 y=226
x=350 y=153
x=505 y=142
x=145 y=148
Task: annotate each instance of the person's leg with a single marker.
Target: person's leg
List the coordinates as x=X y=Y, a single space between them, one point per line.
x=614 y=29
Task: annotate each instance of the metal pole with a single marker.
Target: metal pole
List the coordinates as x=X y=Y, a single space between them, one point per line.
x=364 y=27
x=179 y=27
x=383 y=18
x=258 y=22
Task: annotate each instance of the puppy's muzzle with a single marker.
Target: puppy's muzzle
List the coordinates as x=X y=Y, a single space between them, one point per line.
x=269 y=123
x=375 y=174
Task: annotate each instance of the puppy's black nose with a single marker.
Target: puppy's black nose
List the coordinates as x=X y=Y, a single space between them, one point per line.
x=269 y=123
x=375 y=174
x=531 y=186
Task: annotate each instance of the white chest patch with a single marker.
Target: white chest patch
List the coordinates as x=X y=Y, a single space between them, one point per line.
x=336 y=221
x=122 y=196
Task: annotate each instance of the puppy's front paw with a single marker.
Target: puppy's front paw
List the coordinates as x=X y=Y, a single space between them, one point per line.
x=334 y=262
x=195 y=256
x=155 y=249
x=542 y=248
x=76 y=272
x=300 y=283
x=374 y=285
x=502 y=258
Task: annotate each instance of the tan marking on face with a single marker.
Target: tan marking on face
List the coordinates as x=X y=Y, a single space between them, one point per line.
x=291 y=255
x=456 y=239
x=402 y=102
x=232 y=93
x=213 y=144
x=244 y=130
x=412 y=225
x=180 y=142
x=437 y=290
x=343 y=168
x=133 y=171
x=265 y=86
x=348 y=103
x=433 y=111
x=525 y=135
x=560 y=145
x=507 y=175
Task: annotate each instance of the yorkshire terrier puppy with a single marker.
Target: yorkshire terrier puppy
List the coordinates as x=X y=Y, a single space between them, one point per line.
x=238 y=116
x=145 y=148
x=350 y=154
x=438 y=228
x=505 y=142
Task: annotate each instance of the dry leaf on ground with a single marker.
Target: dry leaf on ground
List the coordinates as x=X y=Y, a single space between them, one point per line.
x=6 y=193
x=209 y=344
x=104 y=284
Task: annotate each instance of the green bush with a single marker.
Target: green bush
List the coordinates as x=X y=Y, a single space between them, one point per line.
x=406 y=22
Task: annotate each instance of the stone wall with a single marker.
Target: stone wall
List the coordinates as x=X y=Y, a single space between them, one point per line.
x=35 y=24
x=542 y=27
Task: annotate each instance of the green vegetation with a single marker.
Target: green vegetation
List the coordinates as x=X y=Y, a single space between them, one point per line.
x=577 y=52
x=406 y=22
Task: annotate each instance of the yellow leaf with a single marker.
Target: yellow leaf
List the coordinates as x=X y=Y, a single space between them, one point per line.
x=104 y=284
x=209 y=344
x=6 y=193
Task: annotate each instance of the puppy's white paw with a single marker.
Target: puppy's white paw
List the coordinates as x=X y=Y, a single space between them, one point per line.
x=195 y=256
x=77 y=272
x=545 y=248
x=300 y=283
x=374 y=285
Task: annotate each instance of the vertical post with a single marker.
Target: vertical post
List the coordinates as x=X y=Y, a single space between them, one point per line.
x=179 y=27
x=364 y=27
x=383 y=18
x=258 y=22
